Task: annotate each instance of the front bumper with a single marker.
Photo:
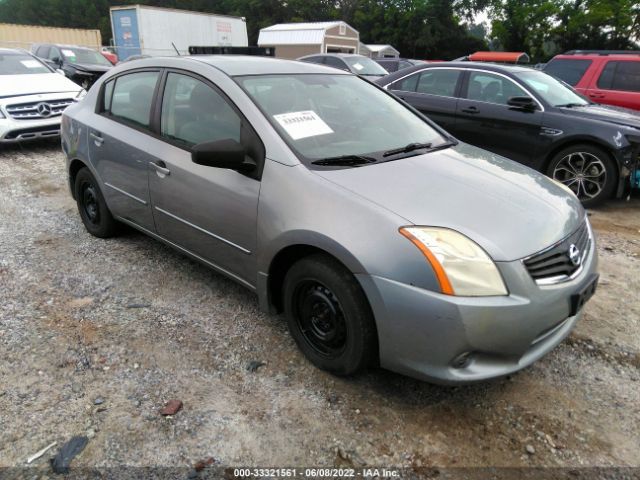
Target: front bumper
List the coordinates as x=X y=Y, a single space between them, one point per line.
x=455 y=340
x=12 y=131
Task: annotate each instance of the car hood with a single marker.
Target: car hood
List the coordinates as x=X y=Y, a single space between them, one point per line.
x=606 y=113
x=510 y=210
x=18 y=85
x=86 y=67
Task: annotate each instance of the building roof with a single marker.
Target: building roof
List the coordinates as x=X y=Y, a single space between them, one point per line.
x=311 y=33
x=379 y=48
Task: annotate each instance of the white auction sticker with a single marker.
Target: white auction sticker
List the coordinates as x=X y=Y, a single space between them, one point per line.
x=303 y=124
x=31 y=63
x=357 y=66
x=68 y=53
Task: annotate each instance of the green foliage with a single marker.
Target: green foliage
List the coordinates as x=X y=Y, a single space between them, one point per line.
x=544 y=28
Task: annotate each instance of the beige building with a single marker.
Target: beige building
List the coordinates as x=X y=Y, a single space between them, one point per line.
x=380 y=51
x=294 y=40
x=22 y=36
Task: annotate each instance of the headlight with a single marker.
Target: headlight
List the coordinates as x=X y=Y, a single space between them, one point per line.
x=81 y=94
x=461 y=266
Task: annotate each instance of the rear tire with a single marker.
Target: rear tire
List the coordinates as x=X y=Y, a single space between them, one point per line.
x=329 y=316
x=93 y=210
x=587 y=170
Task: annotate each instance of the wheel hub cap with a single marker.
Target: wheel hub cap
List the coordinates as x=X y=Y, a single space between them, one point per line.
x=583 y=173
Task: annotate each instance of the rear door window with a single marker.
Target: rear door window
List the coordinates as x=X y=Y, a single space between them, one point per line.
x=438 y=81
x=132 y=98
x=407 y=84
x=43 y=51
x=568 y=70
x=621 y=75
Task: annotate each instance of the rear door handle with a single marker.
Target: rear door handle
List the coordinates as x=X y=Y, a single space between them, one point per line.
x=97 y=138
x=161 y=168
x=472 y=110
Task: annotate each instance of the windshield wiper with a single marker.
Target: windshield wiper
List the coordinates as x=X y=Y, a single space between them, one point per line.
x=345 y=160
x=571 y=105
x=407 y=148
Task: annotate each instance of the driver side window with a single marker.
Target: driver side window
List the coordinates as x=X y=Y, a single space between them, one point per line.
x=193 y=113
x=490 y=88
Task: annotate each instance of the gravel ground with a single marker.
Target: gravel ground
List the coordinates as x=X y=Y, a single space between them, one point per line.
x=96 y=335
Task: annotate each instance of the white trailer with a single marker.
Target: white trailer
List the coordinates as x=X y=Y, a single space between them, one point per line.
x=153 y=31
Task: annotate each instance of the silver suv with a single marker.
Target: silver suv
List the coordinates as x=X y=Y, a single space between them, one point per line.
x=382 y=238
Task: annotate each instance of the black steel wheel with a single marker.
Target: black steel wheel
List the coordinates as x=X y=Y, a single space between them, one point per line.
x=329 y=316
x=587 y=170
x=93 y=210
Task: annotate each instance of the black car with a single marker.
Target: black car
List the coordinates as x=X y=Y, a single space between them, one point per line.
x=351 y=62
x=395 y=64
x=82 y=65
x=529 y=116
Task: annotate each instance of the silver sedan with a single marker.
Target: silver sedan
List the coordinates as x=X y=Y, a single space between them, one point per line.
x=383 y=239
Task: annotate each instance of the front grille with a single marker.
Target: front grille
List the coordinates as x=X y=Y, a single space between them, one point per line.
x=554 y=264
x=36 y=110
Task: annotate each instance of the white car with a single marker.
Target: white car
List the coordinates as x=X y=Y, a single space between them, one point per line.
x=32 y=97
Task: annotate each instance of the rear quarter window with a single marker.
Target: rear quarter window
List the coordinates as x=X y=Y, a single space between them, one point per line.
x=620 y=75
x=567 y=69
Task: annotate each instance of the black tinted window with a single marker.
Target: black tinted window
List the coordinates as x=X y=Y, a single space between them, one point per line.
x=623 y=76
x=568 y=70
x=335 y=62
x=132 y=97
x=407 y=84
x=43 y=51
x=438 y=82
x=314 y=60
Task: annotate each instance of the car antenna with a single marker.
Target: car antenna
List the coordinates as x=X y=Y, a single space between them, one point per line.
x=174 y=47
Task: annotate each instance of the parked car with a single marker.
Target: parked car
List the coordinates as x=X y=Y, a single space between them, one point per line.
x=394 y=64
x=109 y=54
x=382 y=238
x=605 y=76
x=32 y=97
x=531 y=117
x=358 y=64
x=82 y=65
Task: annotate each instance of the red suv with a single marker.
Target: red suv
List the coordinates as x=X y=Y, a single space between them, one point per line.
x=604 y=76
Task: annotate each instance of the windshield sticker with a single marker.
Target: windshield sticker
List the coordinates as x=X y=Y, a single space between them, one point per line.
x=68 y=53
x=31 y=63
x=357 y=66
x=303 y=124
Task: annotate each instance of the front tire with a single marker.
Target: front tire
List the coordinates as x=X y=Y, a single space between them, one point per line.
x=329 y=316
x=93 y=210
x=587 y=170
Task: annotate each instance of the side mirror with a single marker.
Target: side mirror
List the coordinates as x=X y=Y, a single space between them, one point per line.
x=221 y=154
x=522 y=103
x=61 y=72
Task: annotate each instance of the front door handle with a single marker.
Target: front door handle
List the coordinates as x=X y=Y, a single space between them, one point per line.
x=472 y=110
x=161 y=168
x=97 y=138
x=596 y=95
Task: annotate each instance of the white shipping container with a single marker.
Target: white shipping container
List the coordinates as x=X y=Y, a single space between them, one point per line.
x=142 y=30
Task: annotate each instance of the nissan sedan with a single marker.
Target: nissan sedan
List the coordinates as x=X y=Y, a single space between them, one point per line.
x=383 y=239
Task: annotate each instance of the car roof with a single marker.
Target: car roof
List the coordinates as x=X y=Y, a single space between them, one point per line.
x=340 y=55
x=234 y=65
x=590 y=56
x=491 y=67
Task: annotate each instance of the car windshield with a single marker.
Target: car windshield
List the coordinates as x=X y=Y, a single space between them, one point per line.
x=327 y=116
x=553 y=91
x=83 y=55
x=20 y=64
x=364 y=66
